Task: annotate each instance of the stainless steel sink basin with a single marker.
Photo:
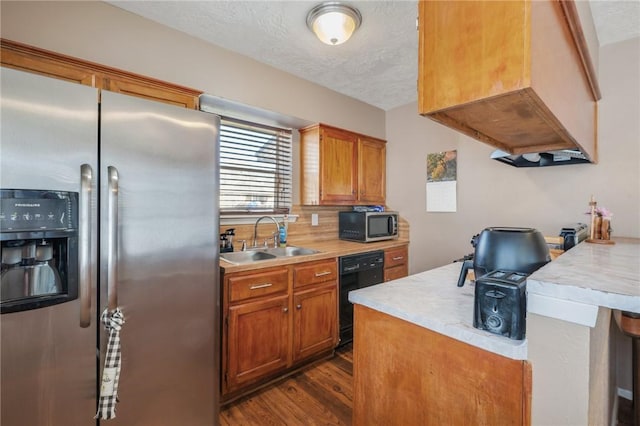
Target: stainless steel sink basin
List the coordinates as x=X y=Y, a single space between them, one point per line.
x=291 y=251
x=256 y=255
x=246 y=256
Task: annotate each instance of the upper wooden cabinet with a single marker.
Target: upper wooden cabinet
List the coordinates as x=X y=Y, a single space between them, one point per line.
x=44 y=62
x=513 y=74
x=340 y=167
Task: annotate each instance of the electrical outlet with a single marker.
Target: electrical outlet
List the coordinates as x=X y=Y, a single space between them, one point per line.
x=314 y=219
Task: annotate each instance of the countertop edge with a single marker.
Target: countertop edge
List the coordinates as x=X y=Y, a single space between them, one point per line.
x=327 y=250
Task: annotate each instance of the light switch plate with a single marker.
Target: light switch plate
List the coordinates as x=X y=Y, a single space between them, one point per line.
x=314 y=219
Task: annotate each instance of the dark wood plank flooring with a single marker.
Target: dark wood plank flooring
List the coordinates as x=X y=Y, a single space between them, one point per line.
x=319 y=395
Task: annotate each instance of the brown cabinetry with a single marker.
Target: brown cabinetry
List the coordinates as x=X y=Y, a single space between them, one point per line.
x=256 y=336
x=341 y=167
x=396 y=263
x=315 y=301
x=512 y=74
x=449 y=382
x=44 y=62
x=275 y=319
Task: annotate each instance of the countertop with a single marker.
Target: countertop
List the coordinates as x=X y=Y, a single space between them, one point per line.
x=589 y=275
x=432 y=300
x=326 y=249
x=593 y=274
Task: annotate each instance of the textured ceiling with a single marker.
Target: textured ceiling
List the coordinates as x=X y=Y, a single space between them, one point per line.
x=378 y=65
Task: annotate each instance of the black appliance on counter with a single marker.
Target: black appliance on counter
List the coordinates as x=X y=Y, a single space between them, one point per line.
x=506 y=249
x=500 y=303
x=357 y=271
x=573 y=234
x=503 y=259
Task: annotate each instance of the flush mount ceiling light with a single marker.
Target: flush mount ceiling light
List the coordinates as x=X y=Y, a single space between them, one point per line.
x=333 y=22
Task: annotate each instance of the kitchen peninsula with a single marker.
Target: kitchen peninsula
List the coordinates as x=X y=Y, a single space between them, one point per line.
x=414 y=342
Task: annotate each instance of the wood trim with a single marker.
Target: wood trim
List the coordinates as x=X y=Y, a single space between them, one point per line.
x=575 y=27
x=16 y=55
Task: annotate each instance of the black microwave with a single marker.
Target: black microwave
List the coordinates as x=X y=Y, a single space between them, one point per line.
x=367 y=226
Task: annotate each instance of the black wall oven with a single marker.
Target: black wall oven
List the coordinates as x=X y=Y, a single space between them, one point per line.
x=357 y=271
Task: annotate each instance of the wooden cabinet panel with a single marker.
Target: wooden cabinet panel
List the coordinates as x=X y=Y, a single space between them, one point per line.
x=425 y=378
x=315 y=272
x=372 y=156
x=396 y=263
x=507 y=73
x=32 y=59
x=341 y=167
x=151 y=92
x=257 y=284
x=338 y=170
x=260 y=337
x=258 y=340
x=315 y=321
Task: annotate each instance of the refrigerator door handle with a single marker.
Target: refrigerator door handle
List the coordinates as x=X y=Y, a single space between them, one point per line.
x=112 y=235
x=85 y=264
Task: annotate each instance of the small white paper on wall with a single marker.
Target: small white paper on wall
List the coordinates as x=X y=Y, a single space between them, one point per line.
x=442 y=181
x=441 y=196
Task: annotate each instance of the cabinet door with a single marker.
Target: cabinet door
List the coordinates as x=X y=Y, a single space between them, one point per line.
x=151 y=92
x=372 y=156
x=315 y=321
x=338 y=166
x=258 y=335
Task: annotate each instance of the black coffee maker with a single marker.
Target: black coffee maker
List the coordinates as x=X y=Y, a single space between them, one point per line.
x=506 y=249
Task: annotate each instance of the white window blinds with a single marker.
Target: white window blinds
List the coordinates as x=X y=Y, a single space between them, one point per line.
x=255 y=168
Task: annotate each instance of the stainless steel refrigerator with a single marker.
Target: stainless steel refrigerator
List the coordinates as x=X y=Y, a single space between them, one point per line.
x=140 y=181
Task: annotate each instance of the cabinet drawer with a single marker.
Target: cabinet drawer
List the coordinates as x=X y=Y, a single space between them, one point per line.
x=396 y=272
x=396 y=257
x=315 y=272
x=258 y=284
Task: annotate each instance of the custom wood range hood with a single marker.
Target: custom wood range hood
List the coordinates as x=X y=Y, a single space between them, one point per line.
x=516 y=75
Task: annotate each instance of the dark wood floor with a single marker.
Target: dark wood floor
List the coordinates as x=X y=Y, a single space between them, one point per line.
x=319 y=395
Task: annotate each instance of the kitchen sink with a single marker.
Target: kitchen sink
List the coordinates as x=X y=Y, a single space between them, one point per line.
x=255 y=255
x=290 y=251
x=246 y=256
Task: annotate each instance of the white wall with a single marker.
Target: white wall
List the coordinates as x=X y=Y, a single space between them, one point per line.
x=495 y=194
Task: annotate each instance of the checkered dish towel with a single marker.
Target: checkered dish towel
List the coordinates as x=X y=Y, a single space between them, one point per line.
x=112 y=322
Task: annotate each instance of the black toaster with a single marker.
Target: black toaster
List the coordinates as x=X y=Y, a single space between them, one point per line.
x=500 y=303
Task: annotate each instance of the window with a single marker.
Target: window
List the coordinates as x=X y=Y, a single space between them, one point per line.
x=255 y=168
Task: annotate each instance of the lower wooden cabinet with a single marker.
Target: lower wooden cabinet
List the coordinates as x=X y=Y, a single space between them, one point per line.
x=315 y=314
x=276 y=319
x=396 y=263
x=258 y=338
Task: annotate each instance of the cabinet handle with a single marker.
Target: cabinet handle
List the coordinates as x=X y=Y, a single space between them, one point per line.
x=299 y=306
x=257 y=286
x=285 y=310
x=322 y=274
x=398 y=258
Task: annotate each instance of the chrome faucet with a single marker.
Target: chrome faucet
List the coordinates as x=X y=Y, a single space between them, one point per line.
x=275 y=236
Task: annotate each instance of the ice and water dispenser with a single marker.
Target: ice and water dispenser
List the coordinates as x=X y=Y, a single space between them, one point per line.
x=39 y=244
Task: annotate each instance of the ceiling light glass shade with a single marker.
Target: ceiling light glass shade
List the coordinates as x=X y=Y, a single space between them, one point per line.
x=333 y=22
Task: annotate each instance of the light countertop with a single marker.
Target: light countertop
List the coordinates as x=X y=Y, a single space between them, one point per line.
x=432 y=300
x=593 y=274
x=588 y=275
x=326 y=249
